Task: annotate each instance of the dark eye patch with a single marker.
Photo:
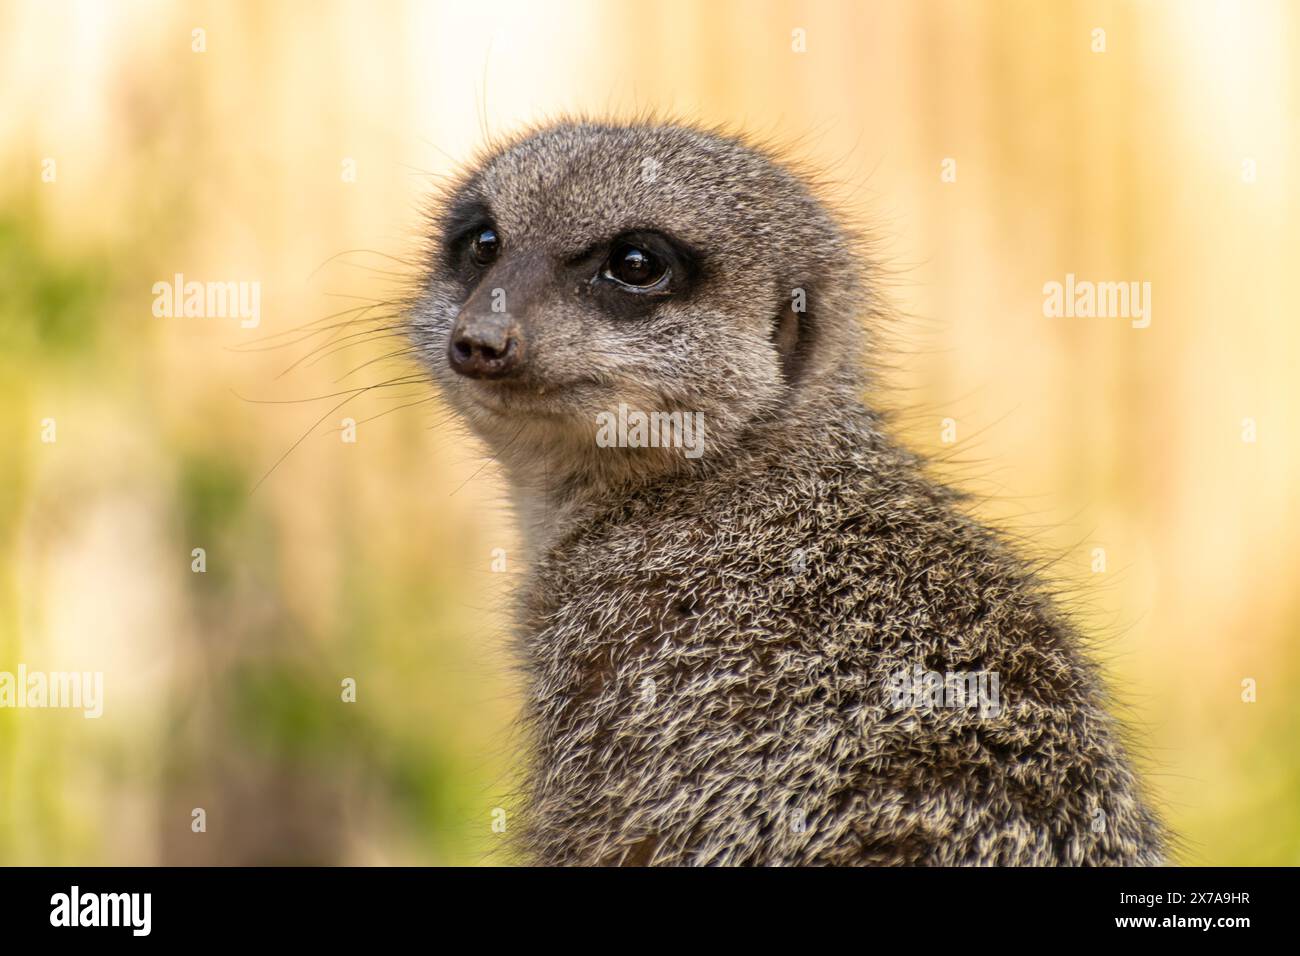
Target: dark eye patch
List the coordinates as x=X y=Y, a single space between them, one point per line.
x=685 y=259
x=628 y=300
x=461 y=223
x=676 y=263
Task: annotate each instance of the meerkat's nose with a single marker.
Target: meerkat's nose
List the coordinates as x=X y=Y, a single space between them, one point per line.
x=486 y=345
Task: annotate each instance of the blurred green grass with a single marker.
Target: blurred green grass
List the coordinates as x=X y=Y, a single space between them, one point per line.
x=251 y=724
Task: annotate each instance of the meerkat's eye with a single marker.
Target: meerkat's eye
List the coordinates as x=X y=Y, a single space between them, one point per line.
x=484 y=246
x=634 y=266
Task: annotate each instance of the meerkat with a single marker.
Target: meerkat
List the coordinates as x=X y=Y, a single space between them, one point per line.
x=779 y=651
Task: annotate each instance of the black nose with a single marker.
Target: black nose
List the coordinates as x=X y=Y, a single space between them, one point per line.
x=486 y=346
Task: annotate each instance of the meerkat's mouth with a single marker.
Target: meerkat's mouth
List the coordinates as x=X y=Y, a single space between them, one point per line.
x=517 y=399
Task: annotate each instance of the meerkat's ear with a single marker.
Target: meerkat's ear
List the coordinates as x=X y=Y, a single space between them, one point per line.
x=792 y=336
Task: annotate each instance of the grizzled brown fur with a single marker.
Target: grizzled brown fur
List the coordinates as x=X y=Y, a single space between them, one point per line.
x=708 y=643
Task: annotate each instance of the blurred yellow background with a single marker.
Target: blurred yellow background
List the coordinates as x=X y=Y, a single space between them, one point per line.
x=296 y=149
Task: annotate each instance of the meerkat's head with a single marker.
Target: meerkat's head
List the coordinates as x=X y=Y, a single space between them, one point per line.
x=659 y=267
